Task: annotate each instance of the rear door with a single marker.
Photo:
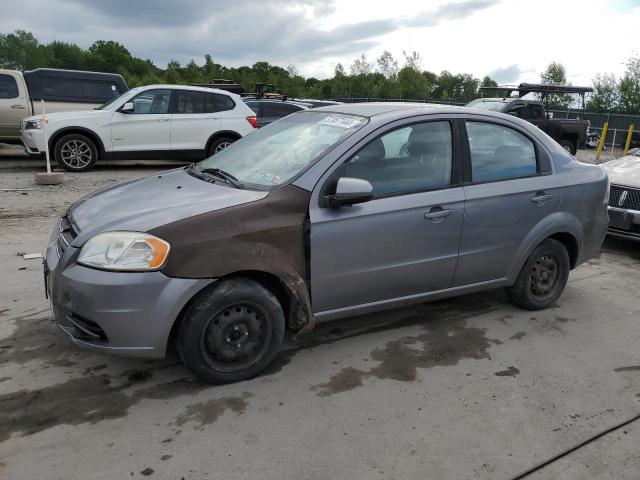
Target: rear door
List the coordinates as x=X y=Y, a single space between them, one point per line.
x=194 y=120
x=405 y=240
x=13 y=105
x=148 y=127
x=509 y=189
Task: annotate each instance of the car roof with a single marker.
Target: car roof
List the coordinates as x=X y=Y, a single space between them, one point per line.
x=186 y=87
x=371 y=109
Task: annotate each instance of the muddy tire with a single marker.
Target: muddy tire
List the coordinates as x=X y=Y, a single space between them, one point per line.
x=218 y=145
x=231 y=332
x=569 y=146
x=75 y=153
x=542 y=278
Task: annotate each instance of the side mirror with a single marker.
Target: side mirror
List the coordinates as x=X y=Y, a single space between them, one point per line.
x=128 y=107
x=350 y=191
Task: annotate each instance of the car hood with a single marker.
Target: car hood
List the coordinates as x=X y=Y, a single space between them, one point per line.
x=147 y=203
x=624 y=171
x=82 y=114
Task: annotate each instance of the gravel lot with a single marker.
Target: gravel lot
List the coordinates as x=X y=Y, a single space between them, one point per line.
x=464 y=388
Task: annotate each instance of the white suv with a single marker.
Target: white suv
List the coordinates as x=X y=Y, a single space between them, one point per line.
x=155 y=121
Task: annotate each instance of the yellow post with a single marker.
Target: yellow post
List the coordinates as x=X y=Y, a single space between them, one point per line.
x=626 y=145
x=603 y=135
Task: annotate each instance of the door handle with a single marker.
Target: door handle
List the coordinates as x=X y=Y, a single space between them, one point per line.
x=437 y=213
x=164 y=119
x=540 y=197
x=18 y=107
x=212 y=118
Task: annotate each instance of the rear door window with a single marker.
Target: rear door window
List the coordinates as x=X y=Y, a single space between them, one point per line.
x=498 y=152
x=8 y=86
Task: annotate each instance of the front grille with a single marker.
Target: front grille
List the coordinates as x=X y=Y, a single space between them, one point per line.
x=629 y=201
x=67 y=234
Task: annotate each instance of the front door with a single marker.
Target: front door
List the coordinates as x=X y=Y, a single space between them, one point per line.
x=510 y=190
x=13 y=105
x=148 y=127
x=405 y=240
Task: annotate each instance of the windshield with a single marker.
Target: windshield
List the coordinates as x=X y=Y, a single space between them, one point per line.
x=114 y=100
x=276 y=153
x=491 y=105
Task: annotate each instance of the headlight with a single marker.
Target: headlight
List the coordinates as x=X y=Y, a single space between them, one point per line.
x=34 y=124
x=129 y=251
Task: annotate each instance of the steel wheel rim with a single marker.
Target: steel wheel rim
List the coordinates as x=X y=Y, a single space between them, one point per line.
x=236 y=337
x=221 y=146
x=544 y=277
x=76 y=154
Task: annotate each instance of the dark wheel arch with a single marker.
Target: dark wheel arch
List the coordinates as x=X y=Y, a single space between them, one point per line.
x=571 y=244
x=220 y=134
x=81 y=131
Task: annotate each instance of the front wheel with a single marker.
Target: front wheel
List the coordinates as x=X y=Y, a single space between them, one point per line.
x=75 y=153
x=542 y=278
x=219 y=144
x=232 y=332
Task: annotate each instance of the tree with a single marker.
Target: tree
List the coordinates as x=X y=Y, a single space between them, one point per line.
x=630 y=87
x=412 y=83
x=412 y=60
x=360 y=66
x=387 y=65
x=605 y=94
x=555 y=74
x=173 y=68
x=488 y=82
x=21 y=51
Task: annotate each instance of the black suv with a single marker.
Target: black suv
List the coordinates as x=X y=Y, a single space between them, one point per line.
x=270 y=110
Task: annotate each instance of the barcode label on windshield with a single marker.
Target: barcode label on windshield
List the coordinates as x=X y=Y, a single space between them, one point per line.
x=342 y=122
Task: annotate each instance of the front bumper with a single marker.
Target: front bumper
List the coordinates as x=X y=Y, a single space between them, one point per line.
x=624 y=223
x=120 y=313
x=33 y=140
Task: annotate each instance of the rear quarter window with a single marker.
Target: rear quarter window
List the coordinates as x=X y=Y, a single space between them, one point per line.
x=498 y=152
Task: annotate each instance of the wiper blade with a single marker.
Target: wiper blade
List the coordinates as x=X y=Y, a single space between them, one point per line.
x=226 y=176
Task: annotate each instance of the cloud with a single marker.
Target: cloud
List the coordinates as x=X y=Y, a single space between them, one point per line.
x=510 y=74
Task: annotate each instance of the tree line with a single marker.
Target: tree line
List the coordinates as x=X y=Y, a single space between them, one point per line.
x=384 y=77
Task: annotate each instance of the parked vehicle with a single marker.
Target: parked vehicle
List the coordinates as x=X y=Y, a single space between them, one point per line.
x=316 y=103
x=62 y=90
x=156 y=121
x=624 y=203
x=570 y=133
x=325 y=214
x=268 y=111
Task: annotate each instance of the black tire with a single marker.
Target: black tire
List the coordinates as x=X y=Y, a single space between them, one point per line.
x=569 y=146
x=219 y=144
x=75 y=153
x=542 y=278
x=232 y=332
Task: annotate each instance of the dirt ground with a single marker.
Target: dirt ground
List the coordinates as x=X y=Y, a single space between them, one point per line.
x=468 y=388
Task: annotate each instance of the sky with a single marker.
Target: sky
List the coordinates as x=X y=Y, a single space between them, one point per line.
x=509 y=40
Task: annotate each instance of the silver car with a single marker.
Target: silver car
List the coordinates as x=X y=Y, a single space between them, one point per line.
x=325 y=214
x=624 y=205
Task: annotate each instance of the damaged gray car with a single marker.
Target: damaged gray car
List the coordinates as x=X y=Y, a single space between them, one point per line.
x=325 y=214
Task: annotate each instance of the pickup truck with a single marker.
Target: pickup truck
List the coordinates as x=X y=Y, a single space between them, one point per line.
x=568 y=132
x=62 y=90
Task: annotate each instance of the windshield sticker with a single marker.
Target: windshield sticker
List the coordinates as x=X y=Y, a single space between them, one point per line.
x=339 y=121
x=271 y=178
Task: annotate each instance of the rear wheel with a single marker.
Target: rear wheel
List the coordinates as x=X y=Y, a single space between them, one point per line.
x=219 y=144
x=542 y=278
x=75 y=153
x=569 y=146
x=232 y=332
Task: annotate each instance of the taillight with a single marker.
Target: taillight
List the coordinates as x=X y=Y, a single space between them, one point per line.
x=253 y=121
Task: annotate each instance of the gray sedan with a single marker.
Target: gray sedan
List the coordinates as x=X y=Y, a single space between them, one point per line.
x=325 y=214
